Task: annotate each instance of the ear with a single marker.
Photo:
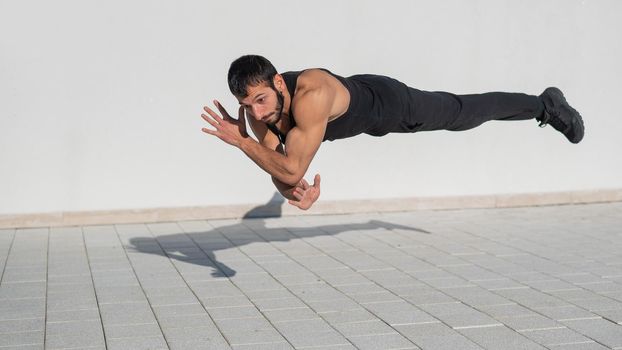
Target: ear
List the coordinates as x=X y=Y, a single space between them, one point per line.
x=278 y=81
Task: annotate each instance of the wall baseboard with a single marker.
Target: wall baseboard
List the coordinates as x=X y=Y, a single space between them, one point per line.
x=278 y=208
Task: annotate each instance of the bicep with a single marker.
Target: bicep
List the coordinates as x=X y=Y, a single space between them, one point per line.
x=303 y=141
x=303 y=144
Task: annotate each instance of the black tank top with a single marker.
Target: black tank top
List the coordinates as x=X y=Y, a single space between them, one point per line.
x=377 y=107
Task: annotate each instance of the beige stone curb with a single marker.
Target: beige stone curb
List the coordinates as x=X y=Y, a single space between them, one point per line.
x=104 y=217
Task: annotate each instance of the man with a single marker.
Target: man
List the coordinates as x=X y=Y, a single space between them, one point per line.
x=292 y=113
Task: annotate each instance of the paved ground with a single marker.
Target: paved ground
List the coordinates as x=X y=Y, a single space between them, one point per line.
x=527 y=278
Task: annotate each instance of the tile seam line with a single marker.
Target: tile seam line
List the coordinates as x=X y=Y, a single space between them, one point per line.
x=8 y=253
x=47 y=275
x=88 y=260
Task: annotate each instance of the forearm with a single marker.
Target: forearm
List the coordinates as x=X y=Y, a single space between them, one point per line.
x=285 y=189
x=272 y=162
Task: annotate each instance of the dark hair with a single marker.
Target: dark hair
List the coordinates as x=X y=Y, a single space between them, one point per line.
x=249 y=70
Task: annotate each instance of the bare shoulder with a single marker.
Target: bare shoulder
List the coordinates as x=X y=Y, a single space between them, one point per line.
x=315 y=78
x=322 y=93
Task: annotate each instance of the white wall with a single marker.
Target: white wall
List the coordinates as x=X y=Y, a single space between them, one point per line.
x=100 y=100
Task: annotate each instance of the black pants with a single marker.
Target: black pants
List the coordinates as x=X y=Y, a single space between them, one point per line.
x=446 y=111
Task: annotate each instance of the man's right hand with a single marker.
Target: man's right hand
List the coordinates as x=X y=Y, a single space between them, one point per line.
x=306 y=194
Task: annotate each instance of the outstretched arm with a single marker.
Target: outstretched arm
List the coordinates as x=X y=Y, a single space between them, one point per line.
x=302 y=143
x=232 y=131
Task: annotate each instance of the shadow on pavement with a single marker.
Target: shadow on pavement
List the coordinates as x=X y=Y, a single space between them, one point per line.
x=192 y=247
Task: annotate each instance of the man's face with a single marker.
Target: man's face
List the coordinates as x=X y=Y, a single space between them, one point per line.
x=262 y=103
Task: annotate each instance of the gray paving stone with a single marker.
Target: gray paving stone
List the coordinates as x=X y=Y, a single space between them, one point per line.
x=135 y=330
x=448 y=282
x=22 y=290
x=184 y=321
x=211 y=344
x=327 y=340
x=399 y=313
x=579 y=278
x=574 y=294
x=278 y=304
x=70 y=288
x=73 y=315
x=220 y=302
x=614 y=316
x=234 y=313
x=74 y=341
x=459 y=315
x=390 y=277
x=25 y=347
x=349 y=277
x=340 y=304
x=592 y=345
x=249 y=325
x=448 y=342
x=21 y=338
x=532 y=298
x=193 y=334
x=68 y=302
x=374 y=327
x=476 y=296
x=551 y=286
x=598 y=303
x=566 y=313
x=126 y=313
x=182 y=298
x=600 y=330
x=555 y=336
x=71 y=279
x=146 y=343
x=358 y=315
x=498 y=284
x=120 y=294
x=11 y=309
x=257 y=336
x=428 y=296
x=24 y=325
x=269 y=294
x=529 y=322
x=506 y=310
x=383 y=341
x=316 y=292
x=91 y=328
x=284 y=315
x=376 y=297
x=359 y=288
x=267 y=346
x=499 y=338
x=22 y=275
x=603 y=287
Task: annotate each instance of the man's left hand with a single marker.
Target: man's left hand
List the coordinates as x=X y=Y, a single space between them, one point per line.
x=305 y=195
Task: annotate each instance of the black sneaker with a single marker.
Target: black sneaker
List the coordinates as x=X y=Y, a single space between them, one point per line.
x=560 y=115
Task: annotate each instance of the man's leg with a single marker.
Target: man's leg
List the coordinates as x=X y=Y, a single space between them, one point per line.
x=470 y=111
x=446 y=111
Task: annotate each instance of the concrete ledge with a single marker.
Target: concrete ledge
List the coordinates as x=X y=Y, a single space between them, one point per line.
x=278 y=208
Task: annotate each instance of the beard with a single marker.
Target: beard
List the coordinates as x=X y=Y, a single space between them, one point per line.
x=278 y=109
